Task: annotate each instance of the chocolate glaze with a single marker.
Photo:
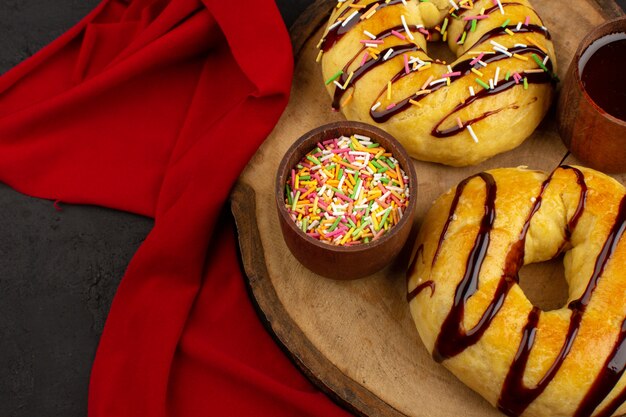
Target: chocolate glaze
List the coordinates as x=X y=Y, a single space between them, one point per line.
x=455 y=203
x=516 y=397
x=580 y=178
x=611 y=372
x=463 y=10
x=603 y=78
x=413 y=266
x=369 y=65
x=381 y=116
x=488 y=11
x=427 y=284
x=338 y=31
x=453 y=339
x=499 y=31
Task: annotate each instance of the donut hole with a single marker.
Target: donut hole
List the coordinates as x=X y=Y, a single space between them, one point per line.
x=441 y=51
x=544 y=284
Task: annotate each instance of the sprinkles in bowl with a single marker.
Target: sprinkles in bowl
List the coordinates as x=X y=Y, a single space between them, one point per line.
x=347 y=191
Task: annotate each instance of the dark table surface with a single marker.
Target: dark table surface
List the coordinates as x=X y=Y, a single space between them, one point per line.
x=58 y=269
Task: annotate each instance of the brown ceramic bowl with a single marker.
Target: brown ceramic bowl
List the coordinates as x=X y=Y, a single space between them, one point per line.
x=344 y=262
x=595 y=137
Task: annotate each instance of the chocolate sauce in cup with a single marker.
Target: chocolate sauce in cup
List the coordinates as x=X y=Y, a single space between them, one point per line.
x=592 y=107
x=603 y=74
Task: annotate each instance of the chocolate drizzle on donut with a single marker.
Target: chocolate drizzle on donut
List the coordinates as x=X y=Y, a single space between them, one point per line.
x=516 y=397
x=427 y=284
x=338 y=31
x=468 y=24
x=370 y=64
x=611 y=372
x=421 y=287
x=499 y=31
x=580 y=178
x=490 y=10
x=381 y=116
x=413 y=266
x=453 y=339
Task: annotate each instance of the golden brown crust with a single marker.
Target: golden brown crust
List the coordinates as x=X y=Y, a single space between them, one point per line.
x=483 y=366
x=516 y=111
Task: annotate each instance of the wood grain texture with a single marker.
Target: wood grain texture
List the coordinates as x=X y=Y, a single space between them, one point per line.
x=356 y=339
x=609 y=8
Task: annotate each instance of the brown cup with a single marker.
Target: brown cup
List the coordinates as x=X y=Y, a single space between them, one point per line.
x=342 y=262
x=591 y=134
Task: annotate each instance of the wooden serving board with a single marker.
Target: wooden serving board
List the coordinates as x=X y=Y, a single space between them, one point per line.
x=356 y=339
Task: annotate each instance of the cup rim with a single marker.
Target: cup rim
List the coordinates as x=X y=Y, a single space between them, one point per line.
x=367 y=129
x=585 y=43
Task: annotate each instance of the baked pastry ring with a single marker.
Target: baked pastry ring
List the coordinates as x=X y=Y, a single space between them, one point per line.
x=488 y=101
x=474 y=318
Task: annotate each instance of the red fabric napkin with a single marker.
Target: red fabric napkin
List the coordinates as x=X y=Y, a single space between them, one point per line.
x=154 y=107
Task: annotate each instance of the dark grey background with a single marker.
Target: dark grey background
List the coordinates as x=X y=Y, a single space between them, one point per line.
x=58 y=269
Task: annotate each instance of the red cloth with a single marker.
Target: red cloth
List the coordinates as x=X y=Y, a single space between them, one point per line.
x=154 y=107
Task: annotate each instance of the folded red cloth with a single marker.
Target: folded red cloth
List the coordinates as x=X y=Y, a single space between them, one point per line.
x=154 y=107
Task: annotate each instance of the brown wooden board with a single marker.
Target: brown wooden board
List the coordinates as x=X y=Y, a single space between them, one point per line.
x=356 y=339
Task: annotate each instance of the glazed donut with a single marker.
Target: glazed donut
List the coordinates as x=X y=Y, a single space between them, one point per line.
x=473 y=317
x=376 y=69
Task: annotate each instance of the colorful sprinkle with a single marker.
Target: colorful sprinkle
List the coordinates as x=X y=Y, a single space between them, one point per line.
x=345 y=22
x=334 y=77
x=444 y=26
x=472 y=134
x=462 y=41
x=369 y=34
x=347 y=206
x=475 y=71
x=482 y=84
x=406 y=27
x=478 y=58
x=539 y=62
x=364 y=59
x=398 y=35
x=500 y=7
